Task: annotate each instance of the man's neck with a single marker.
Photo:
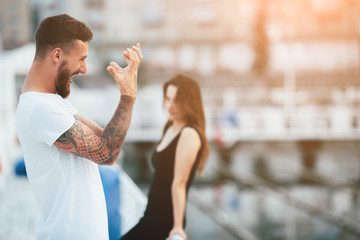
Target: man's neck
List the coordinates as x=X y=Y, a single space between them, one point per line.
x=41 y=78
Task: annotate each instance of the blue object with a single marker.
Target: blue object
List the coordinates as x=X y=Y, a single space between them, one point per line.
x=229 y=116
x=110 y=178
x=235 y=203
x=20 y=169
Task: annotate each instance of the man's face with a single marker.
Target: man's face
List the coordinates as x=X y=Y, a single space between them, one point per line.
x=72 y=64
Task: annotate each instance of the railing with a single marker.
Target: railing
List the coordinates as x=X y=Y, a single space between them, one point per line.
x=238 y=231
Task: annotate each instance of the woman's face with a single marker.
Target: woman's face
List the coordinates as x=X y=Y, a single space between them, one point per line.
x=170 y=104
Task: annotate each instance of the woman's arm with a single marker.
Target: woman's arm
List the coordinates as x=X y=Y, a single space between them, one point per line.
x=186 y=152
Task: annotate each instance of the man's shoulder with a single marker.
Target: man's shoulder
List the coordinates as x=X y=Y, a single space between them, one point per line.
x=40 y=95
x=34 y=99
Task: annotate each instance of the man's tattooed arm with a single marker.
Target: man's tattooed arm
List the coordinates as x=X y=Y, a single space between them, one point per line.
x=80 y=140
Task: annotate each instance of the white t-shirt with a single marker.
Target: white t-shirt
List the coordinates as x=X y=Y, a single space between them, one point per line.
x=67 y=188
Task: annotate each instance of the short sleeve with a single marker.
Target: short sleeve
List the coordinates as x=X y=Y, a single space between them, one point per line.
x=49 y=122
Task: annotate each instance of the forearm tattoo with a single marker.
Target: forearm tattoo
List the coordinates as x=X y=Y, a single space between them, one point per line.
x=81 y=140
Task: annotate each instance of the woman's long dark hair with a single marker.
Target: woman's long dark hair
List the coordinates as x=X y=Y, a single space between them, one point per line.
x=189 y=100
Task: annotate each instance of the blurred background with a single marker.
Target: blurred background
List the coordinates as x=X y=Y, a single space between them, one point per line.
x=280 y=81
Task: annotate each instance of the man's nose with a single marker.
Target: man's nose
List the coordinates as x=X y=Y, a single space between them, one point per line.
x=83 y=68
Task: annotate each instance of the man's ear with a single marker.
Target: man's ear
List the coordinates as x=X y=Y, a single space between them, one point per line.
x=57 y=55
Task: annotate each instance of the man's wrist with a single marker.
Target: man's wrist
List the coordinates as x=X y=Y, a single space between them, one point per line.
x=127 y=98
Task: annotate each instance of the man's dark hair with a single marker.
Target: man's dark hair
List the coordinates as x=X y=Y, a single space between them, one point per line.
x=59 y=31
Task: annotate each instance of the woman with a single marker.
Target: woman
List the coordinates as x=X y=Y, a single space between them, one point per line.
x=182 y=150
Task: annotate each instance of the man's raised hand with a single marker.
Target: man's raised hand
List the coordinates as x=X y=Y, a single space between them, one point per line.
x=126 y=78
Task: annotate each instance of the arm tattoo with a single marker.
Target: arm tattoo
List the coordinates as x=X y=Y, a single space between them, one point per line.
x=80 y=140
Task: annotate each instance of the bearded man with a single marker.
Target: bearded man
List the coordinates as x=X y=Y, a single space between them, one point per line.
x=61 y=148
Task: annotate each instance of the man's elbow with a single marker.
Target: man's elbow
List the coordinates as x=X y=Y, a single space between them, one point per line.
x=110 y=160
x=109 y=163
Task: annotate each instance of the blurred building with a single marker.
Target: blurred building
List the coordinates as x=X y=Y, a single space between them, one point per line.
x=318 y=35
x=276 y=64
x=15 y=23
x=212 y=36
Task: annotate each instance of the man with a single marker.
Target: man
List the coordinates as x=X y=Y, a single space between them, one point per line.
x=62 y=148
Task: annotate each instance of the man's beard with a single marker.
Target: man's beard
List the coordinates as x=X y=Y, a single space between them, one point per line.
x=62 y=80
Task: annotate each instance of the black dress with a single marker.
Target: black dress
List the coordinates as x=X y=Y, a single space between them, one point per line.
x=157 y=221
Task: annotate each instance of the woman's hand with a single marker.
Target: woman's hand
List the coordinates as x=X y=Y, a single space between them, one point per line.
x=178 y=231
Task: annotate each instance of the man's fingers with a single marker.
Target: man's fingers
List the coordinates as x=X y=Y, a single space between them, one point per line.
x=132 y=57
x=137 y=49
x=111 y=70
x=126 y=57
x=130 y=53
x=115 y=66
x=135 y=55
